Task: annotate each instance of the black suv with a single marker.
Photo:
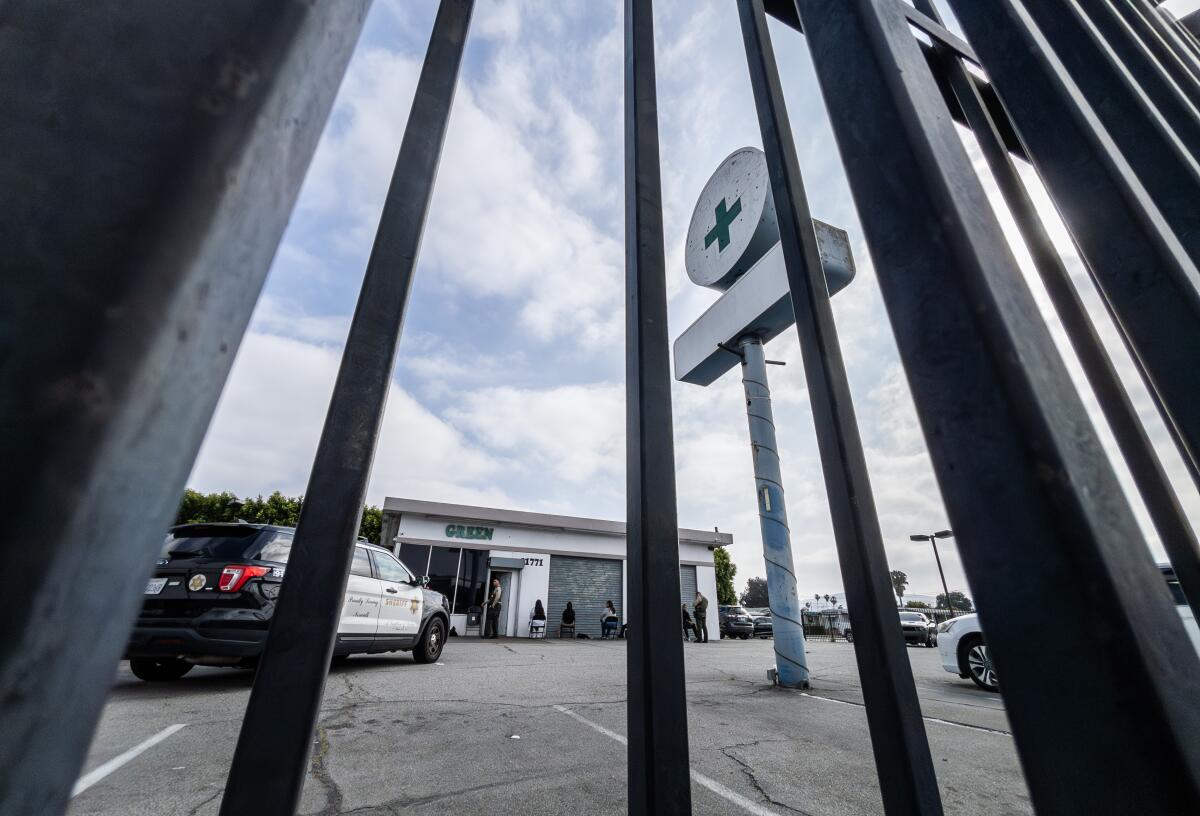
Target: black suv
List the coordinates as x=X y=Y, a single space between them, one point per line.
x=215 y=587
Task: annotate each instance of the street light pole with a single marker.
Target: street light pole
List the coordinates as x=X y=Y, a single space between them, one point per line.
x=932 y=539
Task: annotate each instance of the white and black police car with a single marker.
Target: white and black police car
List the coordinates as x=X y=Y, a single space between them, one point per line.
x=214 y=591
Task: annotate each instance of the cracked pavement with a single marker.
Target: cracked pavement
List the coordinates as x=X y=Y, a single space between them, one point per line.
x=398 y=738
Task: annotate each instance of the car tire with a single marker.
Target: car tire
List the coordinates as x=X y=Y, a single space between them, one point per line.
x=849 y=636
x=744 y=637
x=976 y=660
x=430 y=647
x=154 y=670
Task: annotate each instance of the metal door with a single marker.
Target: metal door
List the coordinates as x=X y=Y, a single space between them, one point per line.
x=587 y=583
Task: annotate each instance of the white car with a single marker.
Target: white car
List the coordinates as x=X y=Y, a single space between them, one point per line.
x=965 y=652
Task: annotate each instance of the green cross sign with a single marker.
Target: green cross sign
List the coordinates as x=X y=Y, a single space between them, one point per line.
x=720 y=233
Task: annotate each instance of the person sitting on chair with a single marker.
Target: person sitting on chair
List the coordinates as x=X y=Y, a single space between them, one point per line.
x=568 y=617
x=537 y=619
x=609 y=621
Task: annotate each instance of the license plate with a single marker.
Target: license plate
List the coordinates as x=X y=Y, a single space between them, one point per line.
x=155 y=585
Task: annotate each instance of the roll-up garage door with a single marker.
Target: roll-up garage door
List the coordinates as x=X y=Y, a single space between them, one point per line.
x=587 y=583
x=687 y=586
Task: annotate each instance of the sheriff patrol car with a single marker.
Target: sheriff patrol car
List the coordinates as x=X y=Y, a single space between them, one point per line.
x=214 y=591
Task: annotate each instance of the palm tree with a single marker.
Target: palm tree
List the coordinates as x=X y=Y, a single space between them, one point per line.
x=899 y=583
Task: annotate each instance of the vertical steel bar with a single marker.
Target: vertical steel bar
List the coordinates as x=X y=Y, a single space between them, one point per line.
x=132 y=260
x=1175 y=101
x=1152 y=124
x=1040 y=519
x=1166 y=514
x=273 y=749
x=906 y=777
x=791 y=660
x=1137 y=261
x=1178 y=63
x=659 y=777
x=1172 y=31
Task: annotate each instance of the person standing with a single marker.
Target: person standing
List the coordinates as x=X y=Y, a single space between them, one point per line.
x=493 y=610
x=701 y=607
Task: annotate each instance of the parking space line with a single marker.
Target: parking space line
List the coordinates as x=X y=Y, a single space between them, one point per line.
x=713 y=785
x=95 y=775
x=927 y=719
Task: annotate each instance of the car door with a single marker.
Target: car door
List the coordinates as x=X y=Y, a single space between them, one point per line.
x=360 y=605
x=402 y=600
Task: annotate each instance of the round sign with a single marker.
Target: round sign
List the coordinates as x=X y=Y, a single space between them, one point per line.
x=734 y=222
x=196 y=583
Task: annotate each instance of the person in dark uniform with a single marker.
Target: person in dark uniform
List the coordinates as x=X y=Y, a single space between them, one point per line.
x=701 y=608
x=689 y=628
x=493 y=610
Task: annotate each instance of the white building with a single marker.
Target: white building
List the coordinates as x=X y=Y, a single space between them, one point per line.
x=536 y=556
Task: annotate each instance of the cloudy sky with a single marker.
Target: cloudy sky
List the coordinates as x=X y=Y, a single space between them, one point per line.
x=509 y=387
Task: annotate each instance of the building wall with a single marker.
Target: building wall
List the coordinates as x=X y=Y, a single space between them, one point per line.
x=537 y=545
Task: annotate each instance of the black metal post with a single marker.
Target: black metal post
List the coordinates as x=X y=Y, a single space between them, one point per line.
x=1137 y=261
x=1177 y=63
x=1155 y=487
x=1040 y=519
x=945 y=588
x=659 y=770
x=1173 y=32
x=906 y=778
x=148 y=190
x=272 y=755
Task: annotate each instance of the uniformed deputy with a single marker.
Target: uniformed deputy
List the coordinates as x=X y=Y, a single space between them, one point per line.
x=493 y=610
x=701 y=607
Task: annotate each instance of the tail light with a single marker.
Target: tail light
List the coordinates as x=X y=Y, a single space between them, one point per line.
x=234 y=578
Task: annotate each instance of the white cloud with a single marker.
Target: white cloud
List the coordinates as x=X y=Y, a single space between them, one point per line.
x=265 y=433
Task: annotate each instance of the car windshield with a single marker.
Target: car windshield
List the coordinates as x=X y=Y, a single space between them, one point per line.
x=912 y=617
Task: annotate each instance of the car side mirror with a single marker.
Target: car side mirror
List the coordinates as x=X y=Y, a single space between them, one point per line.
x=423 y=581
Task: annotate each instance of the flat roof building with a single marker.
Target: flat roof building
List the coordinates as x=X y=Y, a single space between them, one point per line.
x=536 y=556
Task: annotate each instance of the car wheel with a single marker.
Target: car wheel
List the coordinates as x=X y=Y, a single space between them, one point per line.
x=153 y=670
x=430 y=647
x=979 y=665
x=744 y=637
x=849 y=636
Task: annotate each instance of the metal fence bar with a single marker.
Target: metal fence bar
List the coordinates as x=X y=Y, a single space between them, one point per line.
x=1167 y=515
x=273 y=749
x=1137 y=262
x=1172 y=31
x=906 y=778
x=1038 y=514
x=659 y=775
x=1131 y=58
x=1175 y=61
x=1155 y=128
x=122 y=310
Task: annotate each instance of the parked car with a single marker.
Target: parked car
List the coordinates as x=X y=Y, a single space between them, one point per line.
x=918 y=629
x=964 y=650
x=735 y=622
x=214 y=592
x=764 y=623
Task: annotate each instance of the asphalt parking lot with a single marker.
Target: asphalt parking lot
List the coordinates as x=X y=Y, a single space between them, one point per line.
x=536 y=727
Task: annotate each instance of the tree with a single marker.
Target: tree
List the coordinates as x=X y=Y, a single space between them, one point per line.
x=916 y=605
x=197 y=507
x=899 y=583
x=756 y=593
x=726 y=570
x=959 y=601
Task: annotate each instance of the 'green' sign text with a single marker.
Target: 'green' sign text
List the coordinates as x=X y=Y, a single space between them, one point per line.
x=463 y=531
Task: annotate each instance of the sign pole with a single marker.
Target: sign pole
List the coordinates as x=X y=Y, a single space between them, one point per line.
x=791 y=661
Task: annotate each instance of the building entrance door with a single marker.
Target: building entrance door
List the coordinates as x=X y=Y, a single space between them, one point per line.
x=508 y=601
